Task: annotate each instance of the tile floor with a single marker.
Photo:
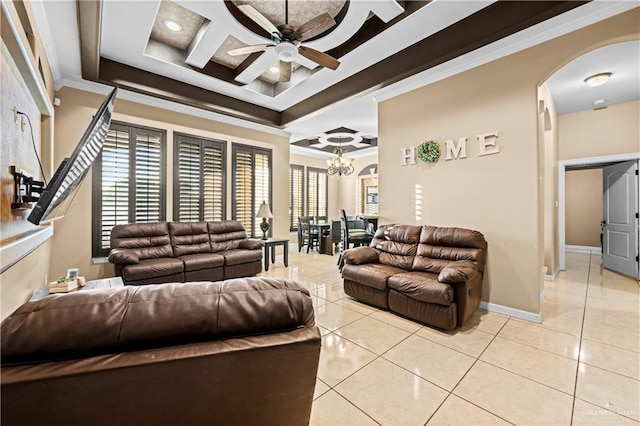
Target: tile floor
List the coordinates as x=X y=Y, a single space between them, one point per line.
x=580 y=366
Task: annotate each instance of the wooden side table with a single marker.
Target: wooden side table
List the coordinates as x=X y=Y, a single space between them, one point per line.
x=270 y=244
x=114 y=282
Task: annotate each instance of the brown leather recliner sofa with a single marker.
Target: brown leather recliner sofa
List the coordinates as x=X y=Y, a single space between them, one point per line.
x=239 y=352
x=427 y=273
x=162 y=252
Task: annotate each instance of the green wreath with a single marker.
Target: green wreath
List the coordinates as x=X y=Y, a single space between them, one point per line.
x=429 y=151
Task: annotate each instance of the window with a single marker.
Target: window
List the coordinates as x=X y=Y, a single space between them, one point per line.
x=198 y=179
x=316 y=192
x=128 y=181
x=296 y=195
x=251 y=184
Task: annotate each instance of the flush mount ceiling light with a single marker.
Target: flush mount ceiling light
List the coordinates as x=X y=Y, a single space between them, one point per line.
x=172 y=25
x=598 y=103
x=597 y=79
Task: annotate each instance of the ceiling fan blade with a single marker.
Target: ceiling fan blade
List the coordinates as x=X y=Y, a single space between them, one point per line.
x=248 y=49
x=258 y=18
x=318 y=57
x=314 y=26
x=285 y=71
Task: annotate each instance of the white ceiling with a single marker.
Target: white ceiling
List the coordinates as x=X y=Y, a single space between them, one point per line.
x=622 y=60
x=123 y=41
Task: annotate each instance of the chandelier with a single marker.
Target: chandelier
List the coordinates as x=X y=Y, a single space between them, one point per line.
x=339 y=165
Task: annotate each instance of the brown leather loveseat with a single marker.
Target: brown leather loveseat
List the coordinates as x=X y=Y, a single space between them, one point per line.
x=162 y=252
x=239 y=352
x=427 y=273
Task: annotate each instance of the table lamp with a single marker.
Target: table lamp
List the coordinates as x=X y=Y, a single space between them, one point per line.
x=265 y=213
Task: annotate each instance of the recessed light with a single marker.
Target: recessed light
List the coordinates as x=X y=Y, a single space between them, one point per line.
x=599 y=102
x=172 y=25
x=597 y=79
x=274 y=69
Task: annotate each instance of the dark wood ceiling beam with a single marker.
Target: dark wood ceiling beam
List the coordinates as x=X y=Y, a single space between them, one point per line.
x=140 y=81
x=458 y=39
x=89 y=27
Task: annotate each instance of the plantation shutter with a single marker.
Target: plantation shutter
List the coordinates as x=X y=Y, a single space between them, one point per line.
x=251 y=184
x=199 y=183
x=317 y=192
x=128 y=181
x=115 y=183
x=296 y=195
x=148 y=192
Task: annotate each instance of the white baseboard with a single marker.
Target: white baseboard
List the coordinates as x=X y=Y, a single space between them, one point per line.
x=553 y=276
x=582 y=249
x=516 y=313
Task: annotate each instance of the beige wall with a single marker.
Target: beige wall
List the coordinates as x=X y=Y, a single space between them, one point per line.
x=613 y=130
x=583 y=207
x=499 y=194
x=332 y=190
x=19 y=281
x=342 y=190
x=348 y=193
x=72 y=238
x=548 y=138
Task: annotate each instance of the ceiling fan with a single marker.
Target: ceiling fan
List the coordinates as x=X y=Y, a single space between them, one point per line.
x=286 y=41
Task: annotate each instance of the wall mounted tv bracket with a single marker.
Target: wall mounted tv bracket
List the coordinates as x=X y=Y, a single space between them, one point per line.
x=26 y=189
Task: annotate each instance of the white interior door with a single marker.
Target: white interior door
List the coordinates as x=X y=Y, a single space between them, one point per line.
x=620 y=218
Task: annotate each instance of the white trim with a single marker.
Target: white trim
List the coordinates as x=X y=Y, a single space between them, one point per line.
x=47 y=40
x=12 y=253
x=557 y=26
x=582 y=249
x=562 y=169
x=32 y=78
x=172 y=106
x=553 y=276
x=516 y=313
x=542 y=295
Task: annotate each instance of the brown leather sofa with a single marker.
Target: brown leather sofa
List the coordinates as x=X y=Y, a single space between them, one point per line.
x=427 y=273
x=239 y=352
x=162 y=252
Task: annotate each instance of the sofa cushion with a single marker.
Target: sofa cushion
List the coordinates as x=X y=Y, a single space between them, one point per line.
x=127 y=318
x=373 y=275
x=199 y=261
x=240 y=256
x=226 y=235
x=150 y=268
x=440 y=245
x=397 y=244
x=189 y=238
x=147 y=240
x=422 y=286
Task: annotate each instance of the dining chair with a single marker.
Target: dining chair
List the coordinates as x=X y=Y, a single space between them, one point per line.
x=353 y=232
x=306 y=234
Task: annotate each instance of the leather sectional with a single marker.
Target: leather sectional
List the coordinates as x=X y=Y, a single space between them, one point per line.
x=426 y=273
x=162 y=252
x=240 y=352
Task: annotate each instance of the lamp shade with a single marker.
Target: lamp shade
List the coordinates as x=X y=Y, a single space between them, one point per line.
x=264 y=211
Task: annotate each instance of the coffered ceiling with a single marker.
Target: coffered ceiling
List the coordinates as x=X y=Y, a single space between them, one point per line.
x=380 y=44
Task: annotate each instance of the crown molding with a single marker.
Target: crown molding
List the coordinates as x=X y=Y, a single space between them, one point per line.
x=127 y=95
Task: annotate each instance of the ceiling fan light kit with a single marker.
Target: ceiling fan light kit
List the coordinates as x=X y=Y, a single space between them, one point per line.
x=286 y=40
x=286 y=51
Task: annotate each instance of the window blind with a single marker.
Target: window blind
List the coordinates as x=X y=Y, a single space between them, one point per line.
x=251 y=184
x=296 y=195
x=199 y=179
x=128 y=181
x=317 y=195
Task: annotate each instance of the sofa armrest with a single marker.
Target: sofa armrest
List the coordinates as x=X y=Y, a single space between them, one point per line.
x=360 y=255
x=251 y=244
x=123 y=256
x=458 y=272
